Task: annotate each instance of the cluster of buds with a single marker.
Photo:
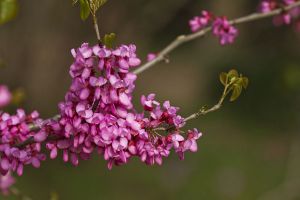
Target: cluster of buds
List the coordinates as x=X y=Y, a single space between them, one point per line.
x=98 y=113
x=222 y=29
x=15 y=129
x=286 y=17
x=226 y=32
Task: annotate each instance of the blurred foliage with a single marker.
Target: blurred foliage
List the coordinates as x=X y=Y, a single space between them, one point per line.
x=54 y=196
x=18 y=96
x=292 y=77
x=2 y=64
x=8 y=10
x=109 y=40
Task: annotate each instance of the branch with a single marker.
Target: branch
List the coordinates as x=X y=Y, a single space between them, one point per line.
x=204 y=111
x=96 y=27
x=31 y=140
x=186 y=38
x=93 y=11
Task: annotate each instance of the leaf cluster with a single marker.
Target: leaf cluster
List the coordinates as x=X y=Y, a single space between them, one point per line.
x=88 y=7
x=234 y=83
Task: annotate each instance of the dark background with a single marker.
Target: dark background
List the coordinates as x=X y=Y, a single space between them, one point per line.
x=250 y=149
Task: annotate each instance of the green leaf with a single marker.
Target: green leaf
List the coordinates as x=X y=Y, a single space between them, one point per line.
x=8 y=10
x=236 y=92
x=232 y=75
x=245 y=82
x=223 y=78
x=96 y=4
x=109 y=40
x=84 y=9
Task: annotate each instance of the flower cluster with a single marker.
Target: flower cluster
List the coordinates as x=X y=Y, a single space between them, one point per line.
x=224 y=30
x=285 y=17
x=98 y=113
x=221 y=27
x=200 y=22
x=15 y=129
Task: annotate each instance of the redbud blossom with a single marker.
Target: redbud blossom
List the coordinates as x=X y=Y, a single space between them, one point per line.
x=200 y=22
x=98 y=113
x=224 y=31
x=151 y=56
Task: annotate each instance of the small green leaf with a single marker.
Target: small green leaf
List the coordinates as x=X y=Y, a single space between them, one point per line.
x=236 y=92
x=245 y=82
x=109 y=40
x=223 y=78
x=8 y=10
x=84 y=9
x=232 y=75
x=96 y=4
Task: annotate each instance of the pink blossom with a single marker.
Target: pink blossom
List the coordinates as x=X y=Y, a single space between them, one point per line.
x=267 y=5
x=200 y=22
x=14 y=129
x=285 y=17
x=151 y=56
x=224 y=31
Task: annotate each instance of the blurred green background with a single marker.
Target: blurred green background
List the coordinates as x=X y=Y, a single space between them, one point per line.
x=250 y=149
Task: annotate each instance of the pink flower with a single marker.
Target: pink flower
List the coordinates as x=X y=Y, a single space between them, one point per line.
x=224 y=31
x=151 y=56
x=149 y=101
x=200 y=22
x=5 y=96
x=267 y=6
x=285 y=17
x=190 y=143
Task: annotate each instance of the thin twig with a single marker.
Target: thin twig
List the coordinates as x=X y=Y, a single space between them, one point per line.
x=186 y=38
x=95 y=21
x=203 y=111
x=31 y=140
x=96 y=27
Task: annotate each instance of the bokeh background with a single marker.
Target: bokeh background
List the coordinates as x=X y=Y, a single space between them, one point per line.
x=250 y=149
